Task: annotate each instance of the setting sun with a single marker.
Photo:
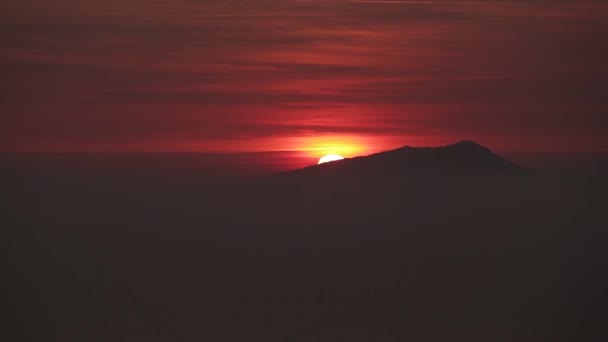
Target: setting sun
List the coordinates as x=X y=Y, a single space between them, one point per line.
x=329 y=158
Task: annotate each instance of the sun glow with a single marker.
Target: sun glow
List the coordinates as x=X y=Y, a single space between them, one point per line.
x=320 y=146
x=330 y=158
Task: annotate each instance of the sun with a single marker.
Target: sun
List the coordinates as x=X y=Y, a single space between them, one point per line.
x=329 y=158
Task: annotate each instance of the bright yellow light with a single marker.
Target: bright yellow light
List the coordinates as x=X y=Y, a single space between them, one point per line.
x=322 y=146
x=329 y=158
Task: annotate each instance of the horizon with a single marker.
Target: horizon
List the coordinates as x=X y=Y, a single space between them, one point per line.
x=252 y=165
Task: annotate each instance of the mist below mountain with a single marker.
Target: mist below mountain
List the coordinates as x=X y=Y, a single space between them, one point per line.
x=451 y=243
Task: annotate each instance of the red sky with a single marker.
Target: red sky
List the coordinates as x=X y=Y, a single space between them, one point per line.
x=306 y=76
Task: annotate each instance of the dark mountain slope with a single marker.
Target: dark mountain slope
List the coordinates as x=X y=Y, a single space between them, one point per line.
x=465 y=157
x=416 y=244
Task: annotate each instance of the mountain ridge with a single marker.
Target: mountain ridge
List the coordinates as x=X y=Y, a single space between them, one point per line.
x=465 y=156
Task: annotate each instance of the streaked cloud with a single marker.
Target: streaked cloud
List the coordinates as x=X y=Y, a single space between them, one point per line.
x=258 y=74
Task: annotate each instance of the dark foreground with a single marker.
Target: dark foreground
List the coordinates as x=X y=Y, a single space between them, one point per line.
x=418 y=257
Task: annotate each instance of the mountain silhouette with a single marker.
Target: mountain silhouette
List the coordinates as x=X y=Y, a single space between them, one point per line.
x=462 y=158
x=413 y=244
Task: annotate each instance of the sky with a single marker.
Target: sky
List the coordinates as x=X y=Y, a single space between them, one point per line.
x=313 y=77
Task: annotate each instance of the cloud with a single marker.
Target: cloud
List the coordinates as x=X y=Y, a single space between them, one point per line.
x=123 y=71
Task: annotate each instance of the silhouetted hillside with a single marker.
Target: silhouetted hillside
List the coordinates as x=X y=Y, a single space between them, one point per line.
x=415 y=244
x=465 y=157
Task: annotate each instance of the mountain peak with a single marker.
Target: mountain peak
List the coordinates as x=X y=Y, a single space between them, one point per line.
x=469 y=143
x=463 y=157
x=468 y=146
x=460 y=145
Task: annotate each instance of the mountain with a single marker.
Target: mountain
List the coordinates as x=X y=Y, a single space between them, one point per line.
x=426 y=243
x=414 y=244
x=460 y=159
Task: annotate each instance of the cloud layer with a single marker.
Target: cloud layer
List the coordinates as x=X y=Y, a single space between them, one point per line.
x=263 y=75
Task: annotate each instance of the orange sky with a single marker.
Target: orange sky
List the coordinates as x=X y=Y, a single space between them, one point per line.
x=316 y=77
